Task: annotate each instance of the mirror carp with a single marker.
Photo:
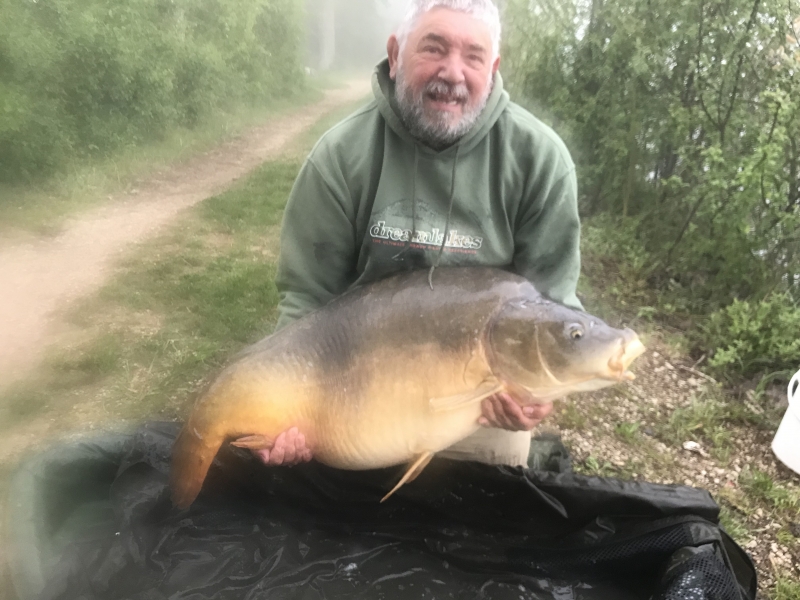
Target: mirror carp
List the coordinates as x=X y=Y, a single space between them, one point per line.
x=393 y=372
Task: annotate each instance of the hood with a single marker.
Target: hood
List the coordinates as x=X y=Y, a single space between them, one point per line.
x=384 y=90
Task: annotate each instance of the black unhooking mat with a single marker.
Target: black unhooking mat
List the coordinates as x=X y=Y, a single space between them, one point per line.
x=93 y=520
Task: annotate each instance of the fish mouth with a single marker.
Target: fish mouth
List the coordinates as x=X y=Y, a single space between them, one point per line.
x=629 y=350
x=599 y=375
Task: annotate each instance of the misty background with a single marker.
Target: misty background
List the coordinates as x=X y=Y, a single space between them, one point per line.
x=350 y=34
x=681 y=117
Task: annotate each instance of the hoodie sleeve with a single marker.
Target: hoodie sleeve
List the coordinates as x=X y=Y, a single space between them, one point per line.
x=547 y=239
x=317 y=251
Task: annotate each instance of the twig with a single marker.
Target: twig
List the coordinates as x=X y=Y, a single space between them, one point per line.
x=699 y=374
x=700 y=360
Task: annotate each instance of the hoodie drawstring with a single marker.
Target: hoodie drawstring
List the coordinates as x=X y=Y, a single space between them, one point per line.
x=413 y=206
x=414 y=212
x=447 y=222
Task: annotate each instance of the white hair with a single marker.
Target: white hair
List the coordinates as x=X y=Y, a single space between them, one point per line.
x=484 y=10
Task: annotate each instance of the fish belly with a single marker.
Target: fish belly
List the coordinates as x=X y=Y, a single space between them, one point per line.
x=384 y=416
x=381 y=438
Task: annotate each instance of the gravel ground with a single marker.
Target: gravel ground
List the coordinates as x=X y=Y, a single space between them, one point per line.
x=675 y=425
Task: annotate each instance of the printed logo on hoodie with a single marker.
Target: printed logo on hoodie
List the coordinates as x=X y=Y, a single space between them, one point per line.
x=432 y=239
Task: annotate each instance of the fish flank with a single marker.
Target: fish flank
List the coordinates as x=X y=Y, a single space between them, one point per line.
x=357 y=376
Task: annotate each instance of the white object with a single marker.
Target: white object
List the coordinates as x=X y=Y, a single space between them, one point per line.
x=786 y=443
x=493 y=447
x=691 y=446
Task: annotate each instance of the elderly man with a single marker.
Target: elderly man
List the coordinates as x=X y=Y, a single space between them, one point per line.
x=439 y=169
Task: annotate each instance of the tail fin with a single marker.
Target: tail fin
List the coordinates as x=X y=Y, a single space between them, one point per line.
x=192 y=456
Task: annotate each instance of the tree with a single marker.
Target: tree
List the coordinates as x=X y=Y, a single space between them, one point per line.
x=680 y=114
x=347 y=33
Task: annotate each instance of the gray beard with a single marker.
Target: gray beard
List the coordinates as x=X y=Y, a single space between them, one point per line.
x=434 y=128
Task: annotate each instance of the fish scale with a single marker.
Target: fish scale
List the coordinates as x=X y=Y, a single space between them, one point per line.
x=394 y=372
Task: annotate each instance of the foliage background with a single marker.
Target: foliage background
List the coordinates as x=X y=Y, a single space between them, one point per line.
x=683 y=118
x=82 y=78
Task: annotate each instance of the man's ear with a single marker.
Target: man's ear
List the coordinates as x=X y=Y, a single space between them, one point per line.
x=496 y=65
x=393 y=50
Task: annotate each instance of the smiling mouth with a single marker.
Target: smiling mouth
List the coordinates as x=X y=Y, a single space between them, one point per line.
x=446 y=100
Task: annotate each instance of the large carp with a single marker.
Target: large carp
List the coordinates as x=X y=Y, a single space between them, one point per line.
x=394 y=372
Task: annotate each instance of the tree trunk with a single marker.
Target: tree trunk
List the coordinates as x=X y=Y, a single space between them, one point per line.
x=633 y=151
x=327 y=32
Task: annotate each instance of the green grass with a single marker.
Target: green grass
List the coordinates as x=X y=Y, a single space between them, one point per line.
x=65 y=371
x=304 y=142
x=786 y=538
x=182 y=305
x=95 y=360
x=758 y=484
x=631 y=469
x=570 y=417
x=6 y=587
x=191 y=298
x=594 y=467
x=41 y=207
x=21 y=402
x=707 y=420
x=786 y=588
x=734 y=525
x=627 y=432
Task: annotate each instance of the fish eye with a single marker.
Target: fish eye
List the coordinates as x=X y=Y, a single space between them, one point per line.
x=576 y=332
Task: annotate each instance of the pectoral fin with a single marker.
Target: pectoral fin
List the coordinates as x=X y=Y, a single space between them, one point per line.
x=471 y=397
x=413 y=471
x=254 y=442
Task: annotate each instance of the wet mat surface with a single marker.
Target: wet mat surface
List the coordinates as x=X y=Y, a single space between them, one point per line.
x=461 y=530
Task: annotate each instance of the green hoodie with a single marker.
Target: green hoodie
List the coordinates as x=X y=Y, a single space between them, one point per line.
x=351 y=220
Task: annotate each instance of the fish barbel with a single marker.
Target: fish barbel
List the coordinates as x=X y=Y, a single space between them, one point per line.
x=394 y=372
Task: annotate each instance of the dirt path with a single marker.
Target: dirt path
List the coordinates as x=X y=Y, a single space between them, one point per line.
x=42 y=277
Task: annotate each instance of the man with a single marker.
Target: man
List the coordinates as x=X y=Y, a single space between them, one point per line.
x=439 y=169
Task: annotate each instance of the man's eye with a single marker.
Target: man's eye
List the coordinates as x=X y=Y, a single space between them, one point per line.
x=433 y=49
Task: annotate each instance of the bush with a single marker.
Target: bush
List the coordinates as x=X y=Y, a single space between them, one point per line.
x=682 y=116
x=615 y=264
x=87 y=77
x=747 y=338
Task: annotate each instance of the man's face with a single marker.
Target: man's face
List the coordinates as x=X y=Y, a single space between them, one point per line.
x=443 y=75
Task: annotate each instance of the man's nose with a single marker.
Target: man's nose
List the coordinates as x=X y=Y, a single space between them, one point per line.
x=452 y=71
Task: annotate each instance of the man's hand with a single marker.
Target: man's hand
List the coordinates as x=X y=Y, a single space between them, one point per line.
x=289 y=449
x=501 y=411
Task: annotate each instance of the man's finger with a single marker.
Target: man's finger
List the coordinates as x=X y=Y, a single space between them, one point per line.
x=488 y=418
x=538 y=411
x=278 y=449
x=523 y=418
x=290 y=447
x=294 y=448
x=494 y=411
x=513 y=417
